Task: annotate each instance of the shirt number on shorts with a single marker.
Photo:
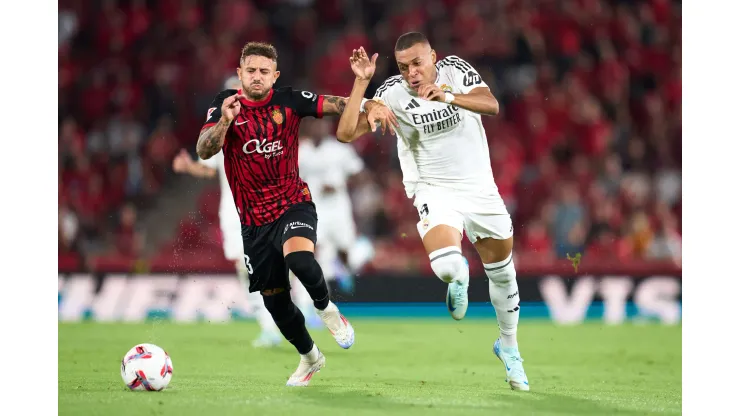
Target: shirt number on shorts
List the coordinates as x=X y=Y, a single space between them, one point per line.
x=249 y=265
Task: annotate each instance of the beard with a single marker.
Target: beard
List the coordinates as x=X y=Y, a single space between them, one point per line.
x=256 y=95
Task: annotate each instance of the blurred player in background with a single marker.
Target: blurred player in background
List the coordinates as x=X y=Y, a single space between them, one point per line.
x=232 y=239
x=256 y=129
x=444 y=156
x=327 y=165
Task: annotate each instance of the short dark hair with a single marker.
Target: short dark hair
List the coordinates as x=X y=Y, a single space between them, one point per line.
x=259 y=49
x=410 y=39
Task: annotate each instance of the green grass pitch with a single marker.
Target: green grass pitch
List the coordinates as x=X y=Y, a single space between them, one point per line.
x=396 y=367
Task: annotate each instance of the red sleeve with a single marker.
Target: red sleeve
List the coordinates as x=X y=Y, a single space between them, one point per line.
x=320 y=107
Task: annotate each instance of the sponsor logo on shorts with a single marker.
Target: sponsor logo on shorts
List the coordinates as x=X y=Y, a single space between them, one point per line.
x=296 y=225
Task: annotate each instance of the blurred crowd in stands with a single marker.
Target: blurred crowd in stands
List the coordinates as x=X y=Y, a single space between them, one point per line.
x=586 y=150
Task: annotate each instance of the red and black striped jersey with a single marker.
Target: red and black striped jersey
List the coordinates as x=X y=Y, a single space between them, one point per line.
x=261 y=152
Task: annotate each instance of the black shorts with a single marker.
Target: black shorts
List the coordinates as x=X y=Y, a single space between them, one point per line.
x=263 y=246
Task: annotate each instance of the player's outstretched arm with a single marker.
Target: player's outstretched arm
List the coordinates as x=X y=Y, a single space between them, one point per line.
x=183 y=163
x=211 y=140
x=333 y=105
x=479 y=100
x=354 y=124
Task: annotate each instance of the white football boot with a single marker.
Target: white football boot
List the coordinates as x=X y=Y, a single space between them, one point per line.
x=457 y=296
x=307 y=368
x=515 y=375
x=338 y=325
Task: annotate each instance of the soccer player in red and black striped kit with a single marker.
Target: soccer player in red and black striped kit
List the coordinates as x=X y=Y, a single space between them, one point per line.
x=257 y=128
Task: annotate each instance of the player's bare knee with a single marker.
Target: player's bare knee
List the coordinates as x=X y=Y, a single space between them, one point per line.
x=492 y=250
x=441 y=237
x=297 y=244
x=447 y=263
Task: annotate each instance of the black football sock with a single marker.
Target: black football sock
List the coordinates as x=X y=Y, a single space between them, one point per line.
x=289 y=320
x=304 y=266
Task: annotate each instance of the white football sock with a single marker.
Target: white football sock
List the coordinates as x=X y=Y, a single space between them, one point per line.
x=505 y=298
x=312 y=355
x=449 y=265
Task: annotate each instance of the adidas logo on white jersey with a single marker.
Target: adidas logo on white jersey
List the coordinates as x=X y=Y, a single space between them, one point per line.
x=412 y=104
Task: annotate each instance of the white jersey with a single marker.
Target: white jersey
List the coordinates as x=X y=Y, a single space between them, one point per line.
x=440 y=145
x=328 y=163
x=227 y=214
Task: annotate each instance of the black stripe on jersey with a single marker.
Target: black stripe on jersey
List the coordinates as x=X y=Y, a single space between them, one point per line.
x=443 y=63
x=460 y=61
x=240 y=181
x=387 y=84
x=255 y=170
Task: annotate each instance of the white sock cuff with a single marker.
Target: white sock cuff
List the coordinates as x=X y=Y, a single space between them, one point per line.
x=444 y=252
x=492 y=267
x=312 y=355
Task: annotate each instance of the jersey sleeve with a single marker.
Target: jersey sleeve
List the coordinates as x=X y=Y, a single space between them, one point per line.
x=306 y=103
x=383 y=92
x=463 y=75
x=214 y=110
x=408 y=166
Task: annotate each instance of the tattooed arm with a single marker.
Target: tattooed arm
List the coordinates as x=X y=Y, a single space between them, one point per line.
x=211 y=140
x=333 y=105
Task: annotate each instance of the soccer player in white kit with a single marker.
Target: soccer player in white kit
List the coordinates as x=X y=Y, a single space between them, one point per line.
x=443 y=152
x=326 y=165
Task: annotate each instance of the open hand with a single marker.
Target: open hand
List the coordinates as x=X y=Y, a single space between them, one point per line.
x=181 y=162
x=362 y=66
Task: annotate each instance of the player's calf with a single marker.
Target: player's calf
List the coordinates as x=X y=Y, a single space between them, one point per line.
x=307 y=270
x=504 y=292
x=304 y=266
x=288 y=319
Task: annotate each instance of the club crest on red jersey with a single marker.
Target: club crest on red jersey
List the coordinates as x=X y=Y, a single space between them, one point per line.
x=210 y=111
x=277 y=116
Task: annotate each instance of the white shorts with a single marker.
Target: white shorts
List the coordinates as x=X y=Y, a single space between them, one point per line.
x=233 y=244
x=336 y=231
x=336 y=228
x=479 y=215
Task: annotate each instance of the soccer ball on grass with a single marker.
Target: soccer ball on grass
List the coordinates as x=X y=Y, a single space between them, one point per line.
x=146 y=367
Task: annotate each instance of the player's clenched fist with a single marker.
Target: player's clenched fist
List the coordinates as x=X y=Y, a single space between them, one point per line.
x=231 y=107
x=431 y=92
x=379 y=113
